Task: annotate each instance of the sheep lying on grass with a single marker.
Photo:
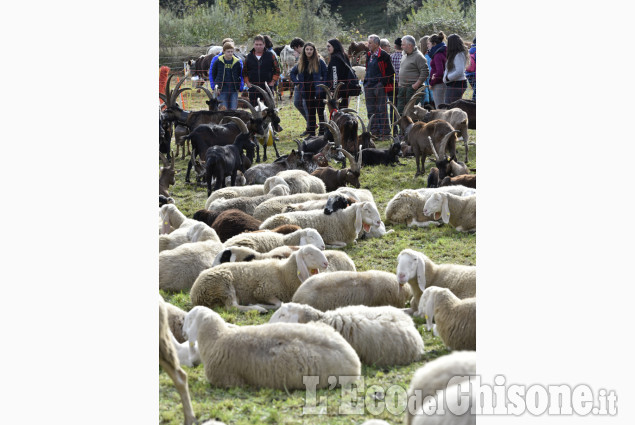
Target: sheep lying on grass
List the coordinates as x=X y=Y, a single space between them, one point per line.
x=179 y=267
x=169 y=361
x=248 y=204
x=269 y=282
x=233 y=222
x=300 y=181
x=420 y=272
x=459 y=211
x=172 y=219
x=266 y=241
x=338 y=260
x=454 y=401
x=328 y=291
x=198 y=232
x=251 y=190
x=275 y=206
x=276 y=355
x=406 y=207
x=455 y=318
x=435 y=375
x=338 y=229
x=381 y=336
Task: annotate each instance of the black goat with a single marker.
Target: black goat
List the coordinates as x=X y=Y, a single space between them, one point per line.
x=165 y=135
x=336 y=203
x=222 y=161
x=448 y=165
x=433 y=177
x=390 y=156
x=333 y=178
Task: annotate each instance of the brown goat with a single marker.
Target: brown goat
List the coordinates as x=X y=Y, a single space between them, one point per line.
x=167 y=176
x=333 y=178
x=456 y=117
x=467 y=180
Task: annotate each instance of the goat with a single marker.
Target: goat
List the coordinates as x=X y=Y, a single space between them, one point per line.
x=260 y=173
x=222 y=161
x=469 y=106
x=345 y=119
x=271 y=119
x=356 y=48
x=166 y=178
x=467 y=180
x=165 y=135
x=390 y=156
x=333 y=178
x=447 y=166
x=433 y=178
x=456 y=117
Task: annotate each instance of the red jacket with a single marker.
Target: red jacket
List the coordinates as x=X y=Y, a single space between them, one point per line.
x=386 y=69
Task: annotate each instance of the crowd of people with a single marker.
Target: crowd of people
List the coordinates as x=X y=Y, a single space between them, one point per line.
x=444 y=69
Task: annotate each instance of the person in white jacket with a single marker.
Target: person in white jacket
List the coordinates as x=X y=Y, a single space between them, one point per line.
x=454 y=75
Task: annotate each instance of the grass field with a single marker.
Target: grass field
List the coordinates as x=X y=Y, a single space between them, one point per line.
x=248 y=406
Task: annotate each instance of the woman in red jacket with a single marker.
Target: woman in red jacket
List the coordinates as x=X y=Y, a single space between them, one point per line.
x=437 y=51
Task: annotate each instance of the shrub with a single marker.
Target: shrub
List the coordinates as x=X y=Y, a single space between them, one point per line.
x=441 y=15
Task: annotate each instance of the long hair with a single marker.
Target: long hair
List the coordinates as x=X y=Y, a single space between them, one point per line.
x=456 y=47
x=311 y=64
x=268 y=42
x=338 y=50
x=423 y=41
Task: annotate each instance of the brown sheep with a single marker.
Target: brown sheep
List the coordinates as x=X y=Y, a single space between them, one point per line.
x=233 y=222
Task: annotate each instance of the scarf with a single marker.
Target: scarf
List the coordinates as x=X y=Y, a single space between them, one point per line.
x=436 y=48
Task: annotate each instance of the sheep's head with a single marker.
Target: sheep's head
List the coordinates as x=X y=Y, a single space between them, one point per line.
x=437 y=207
x=166 y=212
x=367 y=216
x=295 y=313
x=193 y=320
x=407 y=262
x=279 y=190
x=311 y=237
x=309 y=261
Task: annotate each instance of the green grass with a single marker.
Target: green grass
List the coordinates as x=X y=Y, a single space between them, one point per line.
x=249 y=406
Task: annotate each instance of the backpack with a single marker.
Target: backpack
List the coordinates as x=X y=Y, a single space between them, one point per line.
x=472 y=67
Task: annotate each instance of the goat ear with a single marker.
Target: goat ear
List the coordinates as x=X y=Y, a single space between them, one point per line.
x=421 y=274
x=445 y=210
x=303 y=271
x=358 y=219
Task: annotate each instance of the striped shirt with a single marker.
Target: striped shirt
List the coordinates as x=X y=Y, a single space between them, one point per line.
x=395 y=58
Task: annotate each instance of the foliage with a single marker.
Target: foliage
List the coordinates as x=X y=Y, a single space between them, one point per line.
x=441 y=15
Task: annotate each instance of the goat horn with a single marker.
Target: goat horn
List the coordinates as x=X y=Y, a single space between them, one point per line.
x=335 y=131
x=254 y=112
x=395 y=110
x=297 y=142
x=361 y=121
x=265 y=96
x=164 y=160
x=412 y=101
x=176 y=91
x=370 y=120
x=326 y=90
x=436 y=155
x=208 y=93
x=445 y=140
x=167 y=88
x=240 y=123
x=337 y=90
x=164 y=98
x=351 y=158
x=348 y=110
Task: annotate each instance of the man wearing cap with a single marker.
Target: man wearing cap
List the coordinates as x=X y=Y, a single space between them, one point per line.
x=413 y=71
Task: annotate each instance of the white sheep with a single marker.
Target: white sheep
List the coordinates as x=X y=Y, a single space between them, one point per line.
x=251 y=190
x=328 y=291
x=187 y=352
x=459 y=211
x=268 y=282
x=300 y=181
x=453 y=400
x=248 y=204
x=455 y=318
x=381 y=336
x=171 y=219
x=420 y=272
x=436 y=374
x=179 y=267
x=266 y=241
x=406 y=207
x=276 y=206
x=169 y=361
x=277 y=355
x=242 y=253
x=338 y=260
x=197 y=232
x=338 y=229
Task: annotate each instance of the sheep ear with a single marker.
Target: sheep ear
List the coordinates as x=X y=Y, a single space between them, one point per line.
x=445 y=210
x=302 y=241
x=421 y=274
x=429 y=311
x=358 y=219
x=303 y=271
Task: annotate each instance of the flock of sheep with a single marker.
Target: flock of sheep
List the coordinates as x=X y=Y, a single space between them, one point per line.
x=276 y=247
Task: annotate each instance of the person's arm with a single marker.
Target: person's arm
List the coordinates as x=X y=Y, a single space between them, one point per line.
x=423 y=72
x=293 y=75
x=276 y=70
x=212 y=72
x=459 y=68
x=246 y=73
x=236 y=71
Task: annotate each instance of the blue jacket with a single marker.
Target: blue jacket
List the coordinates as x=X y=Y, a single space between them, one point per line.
x=211 y=76
x=318 y=78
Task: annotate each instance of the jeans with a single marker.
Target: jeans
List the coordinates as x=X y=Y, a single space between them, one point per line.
x=455 y=90
x=472 y=81
x=376 y=105
x=229 y=99
x=300 y=103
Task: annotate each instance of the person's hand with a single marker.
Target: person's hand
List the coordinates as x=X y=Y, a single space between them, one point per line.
x=416 y=85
